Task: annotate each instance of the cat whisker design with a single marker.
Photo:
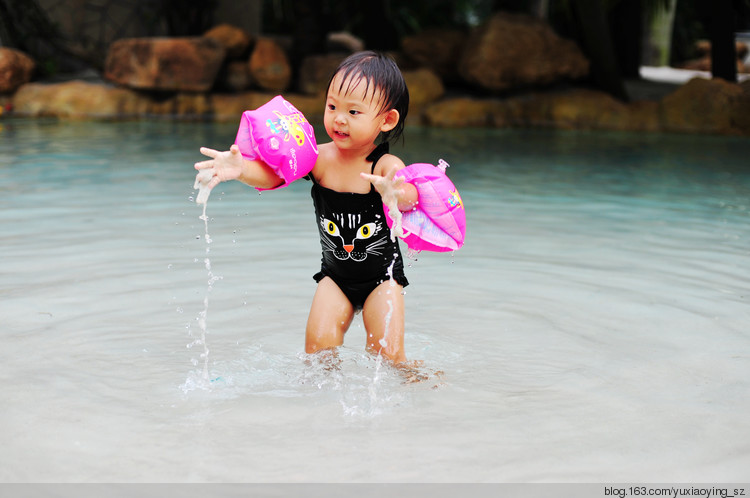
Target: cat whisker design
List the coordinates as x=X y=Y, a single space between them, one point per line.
x=348 y=238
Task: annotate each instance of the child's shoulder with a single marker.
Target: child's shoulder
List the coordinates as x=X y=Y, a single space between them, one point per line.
x=387 y=163
x=325 y=154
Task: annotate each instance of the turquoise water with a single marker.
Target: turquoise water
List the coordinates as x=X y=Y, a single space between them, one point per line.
x=593 y=328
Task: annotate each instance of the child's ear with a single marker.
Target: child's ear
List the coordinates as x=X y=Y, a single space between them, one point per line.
x=390 y=120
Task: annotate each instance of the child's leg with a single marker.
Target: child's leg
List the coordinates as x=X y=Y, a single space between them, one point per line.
x=331 y=314
x=385 y=306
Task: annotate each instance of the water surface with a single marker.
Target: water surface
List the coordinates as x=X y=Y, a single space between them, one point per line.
x=593 y=328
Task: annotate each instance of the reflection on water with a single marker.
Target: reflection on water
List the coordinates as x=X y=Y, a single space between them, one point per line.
x=593 y=327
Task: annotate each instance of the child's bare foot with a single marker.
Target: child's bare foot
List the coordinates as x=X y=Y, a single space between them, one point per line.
x=414 y=371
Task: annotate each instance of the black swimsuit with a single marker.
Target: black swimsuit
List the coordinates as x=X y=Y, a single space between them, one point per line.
x=358 y=254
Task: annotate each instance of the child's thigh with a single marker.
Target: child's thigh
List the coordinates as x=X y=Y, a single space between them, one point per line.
x=383 y=316
x=331 y=314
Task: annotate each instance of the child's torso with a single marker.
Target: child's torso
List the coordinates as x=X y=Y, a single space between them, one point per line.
x=354 y=235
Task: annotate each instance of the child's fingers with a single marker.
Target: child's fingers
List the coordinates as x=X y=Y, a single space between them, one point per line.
x=204 y=164
x=370 y=178
x=209 y=152
x=374 y=179
x=214 y=182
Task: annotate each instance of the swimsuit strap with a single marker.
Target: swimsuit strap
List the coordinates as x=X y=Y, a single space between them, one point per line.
x=376 y=154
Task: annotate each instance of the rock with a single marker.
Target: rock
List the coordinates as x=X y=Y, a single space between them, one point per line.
x=165 y=64
x=644 y=116
x=590 y=110
x=269 y=66
x=425 y=87
x=705 y=106
x=16 y=69
x=570 y=109
x=236 y=41
x=316 y=70
x=83 y=100
x=344 y=41
x=77 y=100
x=311 y=107
x=437 y=49
x=464 y=112
x=182 y=105
x=512 y=51
x=235 y=77
x=229 y=107
x=741 y=110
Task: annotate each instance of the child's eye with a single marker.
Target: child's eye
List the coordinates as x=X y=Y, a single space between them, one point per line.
x=354 y=112
x=331 y=107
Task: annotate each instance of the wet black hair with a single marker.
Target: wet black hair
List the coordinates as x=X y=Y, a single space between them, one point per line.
x=380 y=71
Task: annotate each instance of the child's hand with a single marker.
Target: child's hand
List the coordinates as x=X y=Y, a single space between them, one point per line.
x=222 y=167
x=390 y=191
x=388 y=187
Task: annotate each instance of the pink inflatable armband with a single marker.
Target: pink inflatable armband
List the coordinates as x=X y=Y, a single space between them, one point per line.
x=438 y=221
x=279 y=135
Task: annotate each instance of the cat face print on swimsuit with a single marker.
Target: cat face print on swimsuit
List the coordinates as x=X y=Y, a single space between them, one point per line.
x=348 y=236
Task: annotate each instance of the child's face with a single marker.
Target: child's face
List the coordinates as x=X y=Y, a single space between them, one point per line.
x=353 y=118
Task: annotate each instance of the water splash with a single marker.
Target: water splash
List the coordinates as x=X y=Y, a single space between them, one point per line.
x=202 y=180
x=201 y=378
x=396 y=215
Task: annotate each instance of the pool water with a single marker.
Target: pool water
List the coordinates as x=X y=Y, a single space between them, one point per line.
x=594 y=328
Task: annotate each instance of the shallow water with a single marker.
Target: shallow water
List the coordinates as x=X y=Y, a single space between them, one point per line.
x=594 y=328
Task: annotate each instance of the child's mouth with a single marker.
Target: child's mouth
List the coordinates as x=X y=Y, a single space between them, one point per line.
x=341 y=134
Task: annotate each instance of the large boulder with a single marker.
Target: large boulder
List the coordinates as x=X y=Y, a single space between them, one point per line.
x=579 y=109
x=236 y=41
x=708 y=106
x=229 y=107
x=315 y=72
x=16 y=69
x=165 y=64
x=437 y=49
x=425 y=87
x=77 y=100
x=269 y=66
x=513 y=51
x=84 y=100
x=569 y=109
x=464 y=112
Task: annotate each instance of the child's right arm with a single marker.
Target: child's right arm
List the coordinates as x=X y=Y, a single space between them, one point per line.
x=230 y=165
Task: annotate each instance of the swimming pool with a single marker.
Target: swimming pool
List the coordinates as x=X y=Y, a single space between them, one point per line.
x=594 y=328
